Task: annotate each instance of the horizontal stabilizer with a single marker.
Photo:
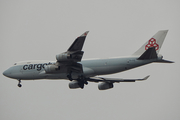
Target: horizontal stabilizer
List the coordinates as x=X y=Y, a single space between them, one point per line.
x=164 y=61
x=150 y=53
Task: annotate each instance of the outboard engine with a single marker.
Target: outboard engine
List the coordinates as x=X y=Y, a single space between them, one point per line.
x=63 y=57
x=105 y=86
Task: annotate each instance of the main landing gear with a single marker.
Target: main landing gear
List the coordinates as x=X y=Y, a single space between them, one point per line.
x=81 y=80
x=69 y=76
x=19 y=84
x=81 y=83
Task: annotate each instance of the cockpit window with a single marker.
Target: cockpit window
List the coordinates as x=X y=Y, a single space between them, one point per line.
x=15 y=63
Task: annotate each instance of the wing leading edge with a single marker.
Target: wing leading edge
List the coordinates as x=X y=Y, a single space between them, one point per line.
x=113 y=80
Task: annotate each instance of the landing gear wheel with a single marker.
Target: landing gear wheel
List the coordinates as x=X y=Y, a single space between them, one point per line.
x=81 y=85
x=19 y=85
x=82 y=80
x=85 y=82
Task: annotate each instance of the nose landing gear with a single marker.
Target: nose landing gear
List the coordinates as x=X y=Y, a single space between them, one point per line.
x=19 y=84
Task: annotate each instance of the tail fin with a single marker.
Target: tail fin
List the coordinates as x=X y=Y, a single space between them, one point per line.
x=156 y=41
x=150 y=53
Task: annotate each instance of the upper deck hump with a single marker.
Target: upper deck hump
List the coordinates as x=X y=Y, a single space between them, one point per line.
x=33 y=62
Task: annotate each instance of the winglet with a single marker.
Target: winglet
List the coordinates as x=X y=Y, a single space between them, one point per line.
x=84 y=34
x=145 y=78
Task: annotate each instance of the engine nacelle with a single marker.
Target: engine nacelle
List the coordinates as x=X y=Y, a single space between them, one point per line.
x=63 y=57
x=74 y=84
x=105 y=86
x=51 y=68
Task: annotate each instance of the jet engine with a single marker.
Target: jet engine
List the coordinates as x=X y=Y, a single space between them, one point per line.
x=105 y=86
x=74 y=84
x=63 y=57
x=51 y=68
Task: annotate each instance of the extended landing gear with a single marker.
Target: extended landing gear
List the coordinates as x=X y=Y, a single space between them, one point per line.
x=82 y=81
x=19 y=84
x=69 y=76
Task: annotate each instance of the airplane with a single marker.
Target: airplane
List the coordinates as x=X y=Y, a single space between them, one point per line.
x=69 y=66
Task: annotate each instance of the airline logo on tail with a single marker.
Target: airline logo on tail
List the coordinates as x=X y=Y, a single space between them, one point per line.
x=152 y=43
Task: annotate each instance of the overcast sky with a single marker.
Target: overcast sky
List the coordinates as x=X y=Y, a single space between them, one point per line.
x=40 y=29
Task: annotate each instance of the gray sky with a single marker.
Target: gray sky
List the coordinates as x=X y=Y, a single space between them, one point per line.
x=38 y=30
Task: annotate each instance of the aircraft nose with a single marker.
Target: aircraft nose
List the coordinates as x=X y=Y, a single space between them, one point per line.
x=6 y=73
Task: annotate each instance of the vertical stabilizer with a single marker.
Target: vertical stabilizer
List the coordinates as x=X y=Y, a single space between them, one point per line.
x=156 y=41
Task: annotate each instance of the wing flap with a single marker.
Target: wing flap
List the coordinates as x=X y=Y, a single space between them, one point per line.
x=76 y=67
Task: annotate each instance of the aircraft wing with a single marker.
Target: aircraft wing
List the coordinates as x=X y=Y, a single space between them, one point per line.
x=74 y=53
x=68 y=61
x=113 y=80
x=78 y=43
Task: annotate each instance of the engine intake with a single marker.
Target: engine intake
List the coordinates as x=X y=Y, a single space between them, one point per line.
x=70 y=56
x=105 y=86
x=63 y=57
x=74 y=84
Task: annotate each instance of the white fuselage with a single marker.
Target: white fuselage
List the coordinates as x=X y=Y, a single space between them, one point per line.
x=32 y=70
